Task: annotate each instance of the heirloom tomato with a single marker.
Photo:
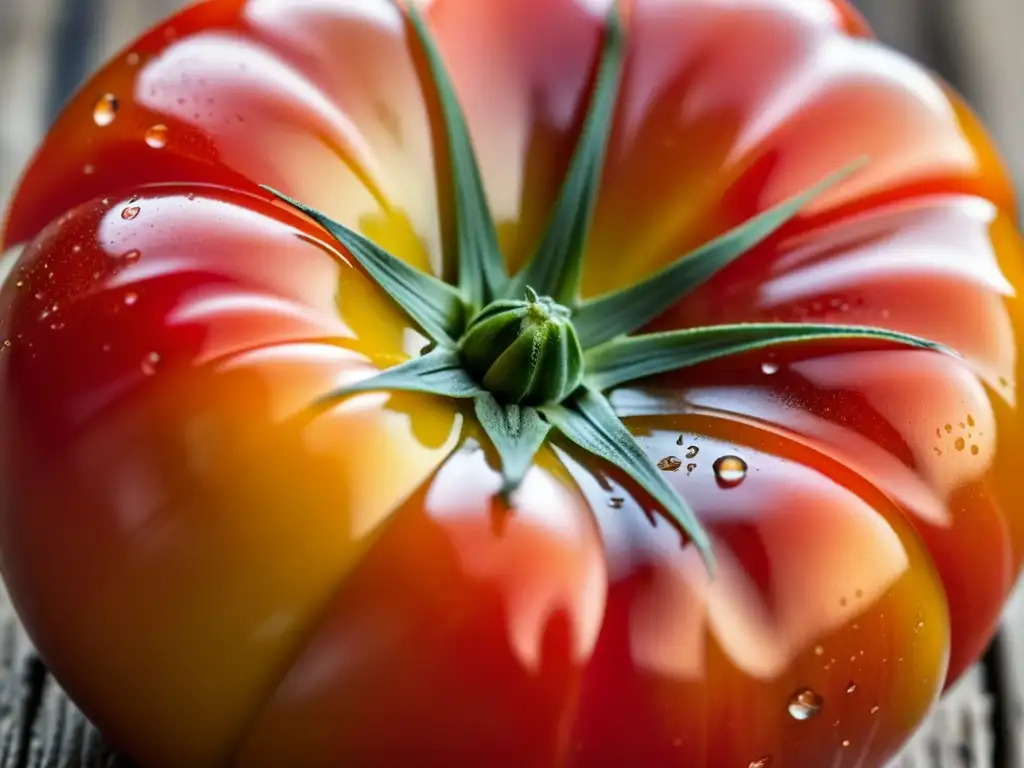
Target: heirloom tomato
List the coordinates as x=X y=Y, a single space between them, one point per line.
x=511 y=382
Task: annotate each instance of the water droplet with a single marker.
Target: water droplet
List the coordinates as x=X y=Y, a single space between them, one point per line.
x=804 y=705
x=679 y=440
x=761 y=762
x=948 y=428
x=819 y=650
x=919 y=626
x=149 y=363
x=133 y=255
x=769 y=369
x=690 y=468
x=89 y=169
x=156 y=136
x=851 y=687
x=843 y=602
x=730 y=471
x=20 y=284
x=130 y=299
x=616 y=502
x=190 y=196
x=692 y=451
x=132 y=59
x=670 y=464
x=975 y=450
x=105 y=110
x=970 y=420
x=874 y=710
x=960 y=444
x=846 y=742
x=130 y=212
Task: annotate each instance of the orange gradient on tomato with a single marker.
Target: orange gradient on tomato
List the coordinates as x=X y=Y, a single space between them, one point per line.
x=223 y=570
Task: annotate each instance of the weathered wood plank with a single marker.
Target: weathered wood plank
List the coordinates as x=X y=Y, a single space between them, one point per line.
x=1013 y=680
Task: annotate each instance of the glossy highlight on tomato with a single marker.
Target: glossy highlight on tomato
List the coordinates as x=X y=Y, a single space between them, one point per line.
x=222 y=572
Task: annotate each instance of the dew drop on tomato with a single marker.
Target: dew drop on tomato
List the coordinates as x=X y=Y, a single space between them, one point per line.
x=105 y=110
x=769 y=369
x=805 y=704
x=730 y=471
x=761 y=762
x=156 y=136
x=130 y=299
x=149 y=363
x=670 y=464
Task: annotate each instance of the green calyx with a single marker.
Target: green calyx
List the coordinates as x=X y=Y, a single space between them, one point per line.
x=536 y=360
x=524 y=352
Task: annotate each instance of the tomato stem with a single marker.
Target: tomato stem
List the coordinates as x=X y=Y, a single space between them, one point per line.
x=541 y=364
x=524 y=352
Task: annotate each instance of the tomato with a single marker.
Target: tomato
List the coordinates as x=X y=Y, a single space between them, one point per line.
x=220 y=571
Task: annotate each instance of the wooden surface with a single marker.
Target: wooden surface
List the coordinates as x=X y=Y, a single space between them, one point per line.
x=973 y=43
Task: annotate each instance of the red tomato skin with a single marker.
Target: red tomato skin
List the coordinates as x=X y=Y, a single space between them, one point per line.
x=221 y=574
